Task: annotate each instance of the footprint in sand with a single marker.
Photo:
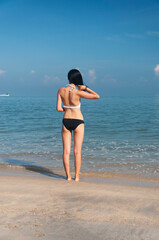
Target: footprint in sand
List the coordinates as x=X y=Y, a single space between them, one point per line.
x=40 y=235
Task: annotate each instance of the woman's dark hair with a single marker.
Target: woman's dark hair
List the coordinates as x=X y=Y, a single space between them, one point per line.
x=75 y=77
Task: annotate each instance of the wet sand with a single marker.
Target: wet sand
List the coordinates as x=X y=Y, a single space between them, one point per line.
x=43 y=205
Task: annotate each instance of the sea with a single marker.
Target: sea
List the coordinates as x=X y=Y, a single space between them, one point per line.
x=121 y=134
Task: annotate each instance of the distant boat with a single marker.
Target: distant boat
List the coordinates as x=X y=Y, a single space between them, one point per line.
x=4 y=95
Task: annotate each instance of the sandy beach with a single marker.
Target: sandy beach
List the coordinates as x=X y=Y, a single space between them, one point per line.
x=39 y=206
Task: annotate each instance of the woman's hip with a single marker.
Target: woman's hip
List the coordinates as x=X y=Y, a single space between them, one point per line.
x=72 y=123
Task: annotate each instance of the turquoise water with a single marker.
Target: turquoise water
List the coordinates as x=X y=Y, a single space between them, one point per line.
x=121 y=133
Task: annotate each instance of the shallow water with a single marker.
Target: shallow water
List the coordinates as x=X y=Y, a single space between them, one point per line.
x=121 y=133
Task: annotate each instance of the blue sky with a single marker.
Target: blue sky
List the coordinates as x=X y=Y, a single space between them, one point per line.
x=115 y=44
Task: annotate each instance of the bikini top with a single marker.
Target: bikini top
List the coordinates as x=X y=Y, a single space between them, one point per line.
x=71 y=107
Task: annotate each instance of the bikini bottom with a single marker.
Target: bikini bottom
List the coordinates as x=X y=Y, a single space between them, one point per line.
x=71 y=124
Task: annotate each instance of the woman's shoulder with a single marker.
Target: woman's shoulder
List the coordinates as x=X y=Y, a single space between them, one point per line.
x=61 y=89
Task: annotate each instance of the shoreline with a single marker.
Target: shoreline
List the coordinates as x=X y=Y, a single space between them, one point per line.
x=89 y=164
x=90 y=177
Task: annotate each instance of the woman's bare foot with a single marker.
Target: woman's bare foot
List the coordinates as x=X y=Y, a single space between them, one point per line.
x=76 y=179
x=69 y=178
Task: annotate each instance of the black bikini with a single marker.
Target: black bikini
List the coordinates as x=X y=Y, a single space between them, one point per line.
x=71 y=124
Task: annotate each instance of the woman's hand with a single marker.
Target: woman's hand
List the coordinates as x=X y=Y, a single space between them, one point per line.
x=82 y=87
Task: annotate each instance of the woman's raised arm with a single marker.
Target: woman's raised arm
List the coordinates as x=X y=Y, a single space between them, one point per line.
x=85 y=92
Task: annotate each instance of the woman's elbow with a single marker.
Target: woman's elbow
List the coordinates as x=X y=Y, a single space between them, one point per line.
x=97 y=96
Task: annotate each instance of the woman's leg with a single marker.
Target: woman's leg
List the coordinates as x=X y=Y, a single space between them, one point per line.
x=66 y=137
x=78 y=140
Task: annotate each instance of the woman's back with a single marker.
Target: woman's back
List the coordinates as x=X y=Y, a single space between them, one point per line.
x=69 y=96
x=71 y=102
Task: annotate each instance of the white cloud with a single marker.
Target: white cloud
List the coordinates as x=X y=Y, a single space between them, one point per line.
x=92 y=75
x=48 y=80
x=32 y=71
x=134 y=36
x=153 y=33
x=143 y=80
x=2 y=72
x=122 y=38
x=156 y=69
x=115 y=38
x=108 y=79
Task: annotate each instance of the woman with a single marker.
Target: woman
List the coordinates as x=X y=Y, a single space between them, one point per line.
x=73 y=120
